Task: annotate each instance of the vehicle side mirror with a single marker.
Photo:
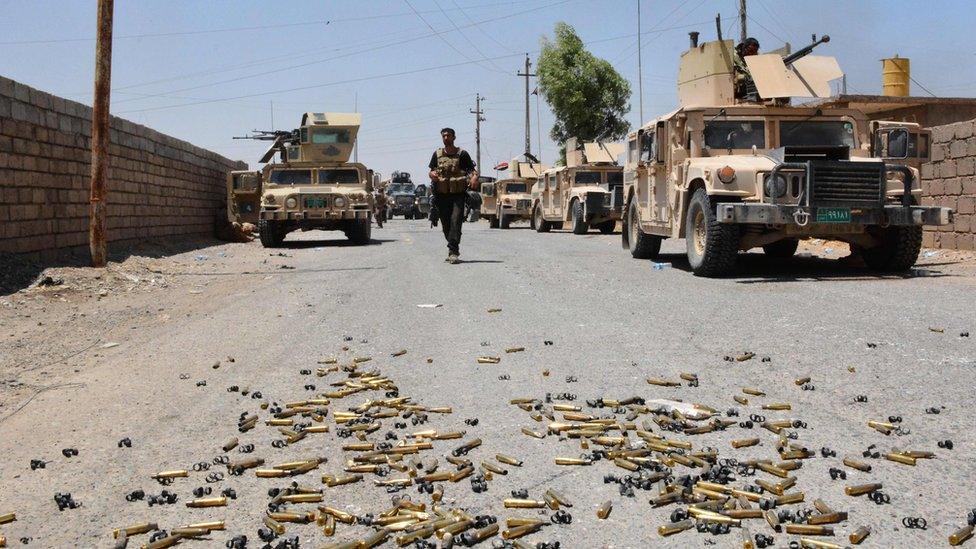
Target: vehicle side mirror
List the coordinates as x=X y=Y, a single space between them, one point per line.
x=897 y=144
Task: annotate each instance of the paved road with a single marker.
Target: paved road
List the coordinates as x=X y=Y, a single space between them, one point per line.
x=613 y=322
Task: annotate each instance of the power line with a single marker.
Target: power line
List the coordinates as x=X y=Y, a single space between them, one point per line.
x=367 y=50
x=239 y=29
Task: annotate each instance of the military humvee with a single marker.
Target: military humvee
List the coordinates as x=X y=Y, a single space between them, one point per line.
x=316 y=187
x=732 y=173
x=580 y=193
x=510 y=199
x=243 y=196
x=402 y=196
x=886 y=135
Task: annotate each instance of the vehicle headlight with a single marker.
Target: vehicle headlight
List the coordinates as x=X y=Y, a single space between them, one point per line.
x=291 y=202
x=726 y=174
x=775 y=187
x=339 y=202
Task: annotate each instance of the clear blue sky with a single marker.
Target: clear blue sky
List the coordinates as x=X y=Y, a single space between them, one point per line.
x=207 y=70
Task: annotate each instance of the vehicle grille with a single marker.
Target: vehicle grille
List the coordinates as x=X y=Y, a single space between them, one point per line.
x=847 y=184
x=404 y=200
x=522 y=204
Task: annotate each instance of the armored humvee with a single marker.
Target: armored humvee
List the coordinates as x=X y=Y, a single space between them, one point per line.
x=510 y=199
x=315 y=186
x=888 y=134
x=731 y=173
x=243 y=196
x=581 y=193
x=402 y=196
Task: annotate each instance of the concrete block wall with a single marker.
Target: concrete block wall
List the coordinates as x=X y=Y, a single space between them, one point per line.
x=158 y=186
x=950 y=180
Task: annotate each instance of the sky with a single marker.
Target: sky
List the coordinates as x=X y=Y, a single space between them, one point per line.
x=208 y=70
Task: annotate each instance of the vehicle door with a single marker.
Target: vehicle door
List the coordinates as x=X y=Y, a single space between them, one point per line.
x=488 y=198
x=243 y=196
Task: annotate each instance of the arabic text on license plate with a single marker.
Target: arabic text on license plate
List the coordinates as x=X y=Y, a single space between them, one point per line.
x=833 y=215
x=314 y=202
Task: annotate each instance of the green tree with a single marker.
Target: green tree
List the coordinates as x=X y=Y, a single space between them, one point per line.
x=589 y=99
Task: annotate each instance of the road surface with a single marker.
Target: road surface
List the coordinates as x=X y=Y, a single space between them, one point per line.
x=83 y=370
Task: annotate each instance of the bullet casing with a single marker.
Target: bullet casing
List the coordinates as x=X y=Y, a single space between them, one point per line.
x=861 y=489
x=134 y=530
x=220 y=501
x=961 y=535
x=518 y=503
x=675 y=527
x=809 y=530
x=603 y=511
x=857 y=536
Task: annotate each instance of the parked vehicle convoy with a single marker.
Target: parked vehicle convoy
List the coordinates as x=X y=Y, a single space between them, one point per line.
x=580 y=195
x=730 y=173
x=510 y=199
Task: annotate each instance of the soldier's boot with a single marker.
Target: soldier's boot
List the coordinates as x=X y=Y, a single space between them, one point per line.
x=453 y=258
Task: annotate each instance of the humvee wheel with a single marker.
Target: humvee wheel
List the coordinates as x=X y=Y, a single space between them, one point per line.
x=493 y=221
x=271 y=235
x=607 y=227
x=359 y=231
x=897 y=251
x=712 y=246
x=580 y=226
x=641 y=244
x=504 y=221
x=541 y=225
x=781 y=249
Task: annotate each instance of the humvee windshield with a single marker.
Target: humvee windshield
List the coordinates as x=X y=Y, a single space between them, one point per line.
x=819 y=133
x=401 y=188
x=515 y=188
x=339 y=177
x=291 y=177
x=587 y=178
x=735 y=134
x=615 y=178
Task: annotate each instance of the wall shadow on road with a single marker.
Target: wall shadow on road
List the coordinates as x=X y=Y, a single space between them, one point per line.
x=336 y=243
x=475 y=261
x=758 y=268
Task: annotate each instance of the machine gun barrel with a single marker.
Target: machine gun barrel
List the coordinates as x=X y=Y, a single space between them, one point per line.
x=268 y=135
x=805 y=51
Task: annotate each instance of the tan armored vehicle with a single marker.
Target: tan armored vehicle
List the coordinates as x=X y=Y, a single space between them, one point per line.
x=316 y=187
x=510 y=199
x=243 y=196
x=732 y=173
x=581 y=193
x=886 y=135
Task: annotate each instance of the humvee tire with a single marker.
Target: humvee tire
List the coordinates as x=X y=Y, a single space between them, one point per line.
x=781 y=249
x=541 y=225
x=271 y=235
x=359 y=231
x=580 y=226
x=607 y=227
x=493 y=221
x=641 y=244
x=504 y=221
x=897 y=252
x=712 y=246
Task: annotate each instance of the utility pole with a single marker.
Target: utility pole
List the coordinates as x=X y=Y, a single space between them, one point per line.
x=527 y=74
x=742 y=21
x=640 y=67
x=100 y=134
x=478 y=119
x=355 y=149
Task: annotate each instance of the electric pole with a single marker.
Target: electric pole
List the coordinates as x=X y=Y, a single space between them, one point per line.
x=640 y=75
x=742 y=21
x=527 y=74
x=478 y=119
x=100 y=134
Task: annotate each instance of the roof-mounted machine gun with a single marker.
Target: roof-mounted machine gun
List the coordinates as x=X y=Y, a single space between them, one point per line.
x=281 y=139
x=787 y=60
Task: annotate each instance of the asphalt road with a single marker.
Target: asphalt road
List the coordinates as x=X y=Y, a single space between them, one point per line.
x=613 y=323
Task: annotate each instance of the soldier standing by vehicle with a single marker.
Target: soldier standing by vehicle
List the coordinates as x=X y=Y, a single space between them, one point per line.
x=452 y=171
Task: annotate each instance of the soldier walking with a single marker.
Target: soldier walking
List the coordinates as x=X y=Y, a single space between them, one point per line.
x=452 y=171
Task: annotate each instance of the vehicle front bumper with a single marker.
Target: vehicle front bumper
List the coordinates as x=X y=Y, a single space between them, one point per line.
x=515 y=211
x=278 y=215
x=775 y=214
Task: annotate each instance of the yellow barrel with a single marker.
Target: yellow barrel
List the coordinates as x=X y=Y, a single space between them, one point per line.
x=895 y=74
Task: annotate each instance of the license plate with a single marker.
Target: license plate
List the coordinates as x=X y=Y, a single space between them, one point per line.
x=833 y=215
x=314 y=202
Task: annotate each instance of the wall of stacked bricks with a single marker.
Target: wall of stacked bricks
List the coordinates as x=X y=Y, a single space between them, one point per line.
x=158 y=186
x=950 y=180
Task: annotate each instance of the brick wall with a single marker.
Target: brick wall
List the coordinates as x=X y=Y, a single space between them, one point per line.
x=950 y=180
x=158 y=186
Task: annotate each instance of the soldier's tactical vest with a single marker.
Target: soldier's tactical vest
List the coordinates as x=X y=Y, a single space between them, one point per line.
x=452 y=178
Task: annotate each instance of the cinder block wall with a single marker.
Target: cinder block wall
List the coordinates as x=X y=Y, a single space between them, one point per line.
x=158 y=186
x=950 y=180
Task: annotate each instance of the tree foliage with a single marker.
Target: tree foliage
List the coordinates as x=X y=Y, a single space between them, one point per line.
x=589 y=99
